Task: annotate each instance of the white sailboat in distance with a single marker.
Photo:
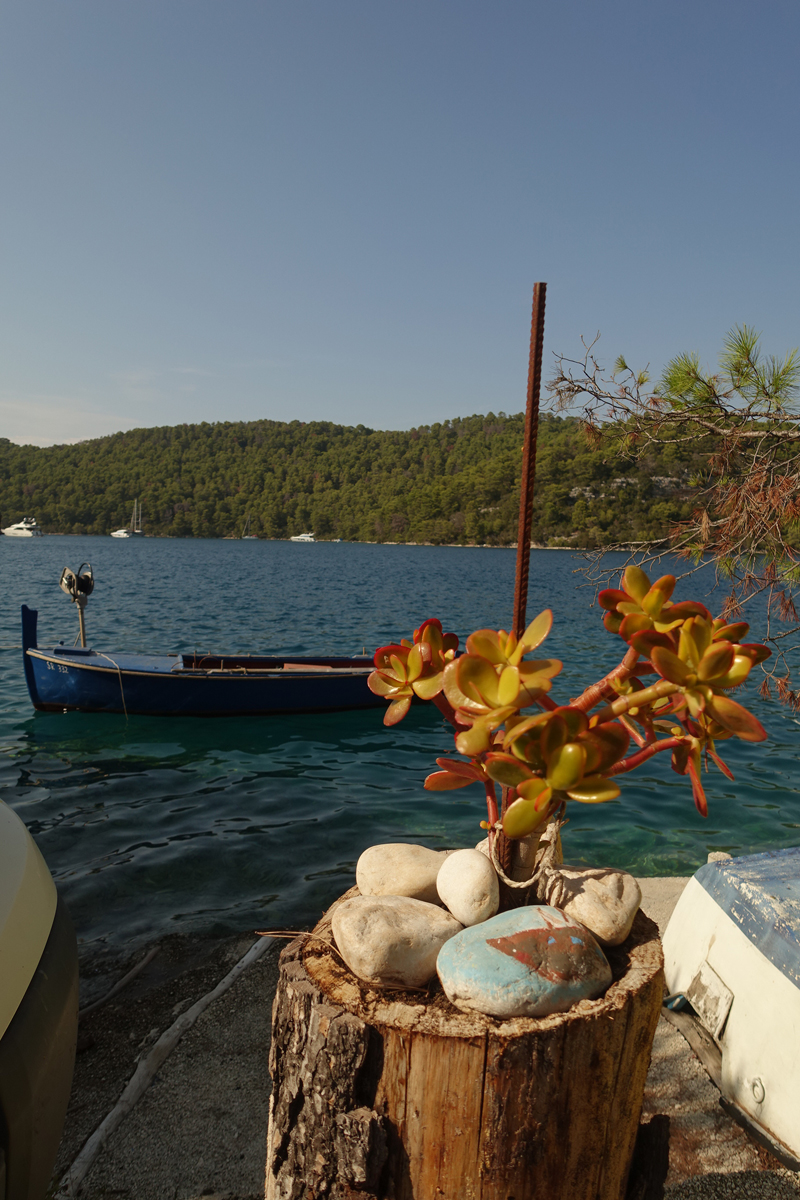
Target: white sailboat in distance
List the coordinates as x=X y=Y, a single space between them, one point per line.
x=135 y=527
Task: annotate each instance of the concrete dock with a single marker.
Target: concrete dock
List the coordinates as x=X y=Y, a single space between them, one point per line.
x=199 y=1129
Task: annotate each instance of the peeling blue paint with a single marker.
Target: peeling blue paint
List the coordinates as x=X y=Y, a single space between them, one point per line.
x=761 y=895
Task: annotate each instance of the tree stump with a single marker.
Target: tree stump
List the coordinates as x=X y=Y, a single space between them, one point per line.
x=381 y=1095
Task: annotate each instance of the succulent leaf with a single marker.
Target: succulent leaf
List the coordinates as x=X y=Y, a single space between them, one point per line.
x=446 y=781
x=523 y=816
x=594 y=789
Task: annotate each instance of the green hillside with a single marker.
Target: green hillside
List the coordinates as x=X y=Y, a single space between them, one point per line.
x=456 y=482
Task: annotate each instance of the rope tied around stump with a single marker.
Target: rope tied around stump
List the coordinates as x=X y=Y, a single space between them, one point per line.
x=547 y=883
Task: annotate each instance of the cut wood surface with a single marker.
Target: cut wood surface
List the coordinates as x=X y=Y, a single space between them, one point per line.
x=400 y=1096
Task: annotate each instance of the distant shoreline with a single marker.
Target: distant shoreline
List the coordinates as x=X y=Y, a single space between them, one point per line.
x=626 y=546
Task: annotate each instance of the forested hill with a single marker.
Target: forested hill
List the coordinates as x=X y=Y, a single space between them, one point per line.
x=451 y=482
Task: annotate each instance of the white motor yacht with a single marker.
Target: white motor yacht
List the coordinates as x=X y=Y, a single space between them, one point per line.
x=27 y=527
x=303 y=537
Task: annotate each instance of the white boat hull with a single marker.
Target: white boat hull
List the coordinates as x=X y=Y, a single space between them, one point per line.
x=730 y=948
x=25 y=528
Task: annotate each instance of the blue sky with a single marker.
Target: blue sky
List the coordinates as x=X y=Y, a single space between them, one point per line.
x=337 y=209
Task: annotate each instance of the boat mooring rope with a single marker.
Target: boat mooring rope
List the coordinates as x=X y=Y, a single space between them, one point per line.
x=119 y=674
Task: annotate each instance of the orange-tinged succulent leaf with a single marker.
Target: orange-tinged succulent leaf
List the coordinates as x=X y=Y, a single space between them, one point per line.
x=446 y=781
x=613 y=740
x=635 y=582
x=397 y=710
x=504 y=768
x=414 y=664
x=612 y=622
x=685 y=609
x=474 y=740
x=525 y=726
x=680 y=758
x=665 y=625
x=658 y=595
x=450 y=687
x=732 y=633
x=722 y=766
x=736 y=719
x=450 y=642
x=629 y=607
x=548 y=668
x=537 y=631
x=378 y=683
x=669 y=666
x=477 y=679
x=609 y=598
x=738 y=673
x=382 y=656
x=538 y=790
x=399 y=667
x=634 y=623
x=523 y=816
x=467 y=769
x=429 y=686
x=594 y=789
x=754 y=651
x=688 y=649
x=554 y=735
x=716 y=661
x=576 y=721
x=645 y=641
x=702 y=632
x=565 y=766
x=486 y=644
x=696 y=701
x=700 y=802
x=508 y=685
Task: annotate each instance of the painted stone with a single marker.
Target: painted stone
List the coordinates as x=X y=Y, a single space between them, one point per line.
x=604 y=900
x=528 y=962
x=467 y=884
x=392 y=939
x=399 y=869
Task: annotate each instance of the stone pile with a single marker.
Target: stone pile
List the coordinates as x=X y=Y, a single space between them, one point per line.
x=424 y=911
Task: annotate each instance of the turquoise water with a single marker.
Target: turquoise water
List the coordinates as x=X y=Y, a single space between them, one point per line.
x=174 y=825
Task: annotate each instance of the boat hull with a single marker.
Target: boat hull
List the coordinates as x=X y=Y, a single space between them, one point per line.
x=732 y=950
x=64 y=679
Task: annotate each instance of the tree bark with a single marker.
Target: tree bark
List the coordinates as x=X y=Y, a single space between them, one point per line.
x=381 y=1095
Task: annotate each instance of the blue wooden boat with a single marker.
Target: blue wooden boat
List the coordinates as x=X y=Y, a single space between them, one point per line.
x=81 y=679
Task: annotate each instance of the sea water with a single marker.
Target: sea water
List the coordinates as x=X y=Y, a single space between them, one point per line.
x=213 y=825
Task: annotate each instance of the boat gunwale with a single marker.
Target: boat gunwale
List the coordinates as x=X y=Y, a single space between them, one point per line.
x=240 y=673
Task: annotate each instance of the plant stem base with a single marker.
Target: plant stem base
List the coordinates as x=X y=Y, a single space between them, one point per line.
x=381 y=1095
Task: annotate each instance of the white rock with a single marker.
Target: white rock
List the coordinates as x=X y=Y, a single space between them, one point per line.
x=392 y=939
x=604 y=900
x=467 y=884
x=398 y=869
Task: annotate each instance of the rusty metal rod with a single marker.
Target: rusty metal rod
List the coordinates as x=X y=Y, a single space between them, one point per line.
x=529 y=459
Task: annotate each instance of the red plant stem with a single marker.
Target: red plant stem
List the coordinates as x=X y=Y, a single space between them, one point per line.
x=640 y=740
x=594 y=694
x=636 y=760
x=446 y=709
x=491 y=806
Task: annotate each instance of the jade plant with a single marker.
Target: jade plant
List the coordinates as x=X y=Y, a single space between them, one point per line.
x=669 y=693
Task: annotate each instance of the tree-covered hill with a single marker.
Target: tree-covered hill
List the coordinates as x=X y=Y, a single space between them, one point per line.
x=451 y=482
